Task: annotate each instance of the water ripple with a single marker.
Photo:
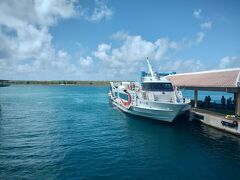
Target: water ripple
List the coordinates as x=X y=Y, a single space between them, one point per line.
x=55 y=132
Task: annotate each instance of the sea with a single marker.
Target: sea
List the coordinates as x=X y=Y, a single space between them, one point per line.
x=73 y=132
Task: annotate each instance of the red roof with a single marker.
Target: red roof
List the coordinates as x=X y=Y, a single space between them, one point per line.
x=219 y=78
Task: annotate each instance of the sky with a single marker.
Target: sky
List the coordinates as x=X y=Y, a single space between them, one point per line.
x=111 y=40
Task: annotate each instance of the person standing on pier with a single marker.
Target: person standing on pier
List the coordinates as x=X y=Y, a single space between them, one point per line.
x=223 y=101
x=206 y=101
x=229 y=102
x=209 y=101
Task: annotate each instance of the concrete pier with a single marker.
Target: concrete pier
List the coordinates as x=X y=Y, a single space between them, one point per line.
x=216 y=120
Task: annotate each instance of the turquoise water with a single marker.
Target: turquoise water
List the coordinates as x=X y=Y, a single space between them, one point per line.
x=72 y=132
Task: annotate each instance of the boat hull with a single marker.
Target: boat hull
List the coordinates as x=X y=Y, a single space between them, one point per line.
x=164 y=114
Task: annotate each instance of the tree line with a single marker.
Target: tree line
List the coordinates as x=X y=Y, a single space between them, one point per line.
x=61 y=82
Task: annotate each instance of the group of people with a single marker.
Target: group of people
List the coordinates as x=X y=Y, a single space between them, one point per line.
x=207 y=101
x=229 y=102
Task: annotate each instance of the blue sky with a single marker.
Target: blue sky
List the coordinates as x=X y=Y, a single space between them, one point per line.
x=110 y=40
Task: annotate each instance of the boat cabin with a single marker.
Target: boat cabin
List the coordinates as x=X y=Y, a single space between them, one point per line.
x=157 y=86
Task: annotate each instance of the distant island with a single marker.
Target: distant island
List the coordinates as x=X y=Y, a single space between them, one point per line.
x=60 y=82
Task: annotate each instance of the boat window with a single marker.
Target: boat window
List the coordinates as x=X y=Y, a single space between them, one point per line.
x=123 y=96
x=157 y=87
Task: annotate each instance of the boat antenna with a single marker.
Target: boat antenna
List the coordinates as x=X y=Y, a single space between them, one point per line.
x=150 y=68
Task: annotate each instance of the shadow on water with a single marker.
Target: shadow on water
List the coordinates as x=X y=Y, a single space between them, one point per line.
x=145 y=119
x=182 y=124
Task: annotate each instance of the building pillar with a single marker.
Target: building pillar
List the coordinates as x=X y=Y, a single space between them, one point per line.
x=195 y=97
x=237 y=103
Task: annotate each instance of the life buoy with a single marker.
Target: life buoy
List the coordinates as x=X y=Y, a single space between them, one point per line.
x=127 y=104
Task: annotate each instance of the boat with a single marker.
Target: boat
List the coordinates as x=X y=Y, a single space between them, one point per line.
x=153 y=97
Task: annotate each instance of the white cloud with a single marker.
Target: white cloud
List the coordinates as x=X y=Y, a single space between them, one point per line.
x=26 y=43
x=49 y=11
x=200 y=37
x=190 y=42
x=163 y=45
x=130 y=56
x=101 y=11
x=86 y=62
x=102 y=51
x=26 y=46
x=197 y=13
x=27 y=23
x=120 y=35
x=37 y=12
x=229 y=62
x=206 y=25
x=190 y=65
x=134 y=49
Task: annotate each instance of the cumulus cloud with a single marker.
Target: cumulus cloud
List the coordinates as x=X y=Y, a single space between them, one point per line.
x=130 y=56
x=134 y=49
x=86 y=62
x=101 y=11
x=206 y=25
x=197 y=13
x=102 y=52
x=26 y=43
x=229 y=62
x=37 y=12
x=25 y=36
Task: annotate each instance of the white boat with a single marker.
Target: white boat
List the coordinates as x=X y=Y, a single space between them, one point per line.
x=154 y=97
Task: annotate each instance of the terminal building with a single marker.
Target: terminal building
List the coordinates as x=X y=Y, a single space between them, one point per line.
x=225 y=80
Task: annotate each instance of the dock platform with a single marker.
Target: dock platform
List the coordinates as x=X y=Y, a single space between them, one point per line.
x=217 y=120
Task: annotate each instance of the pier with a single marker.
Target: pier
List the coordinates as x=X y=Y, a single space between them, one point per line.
x=225 y=80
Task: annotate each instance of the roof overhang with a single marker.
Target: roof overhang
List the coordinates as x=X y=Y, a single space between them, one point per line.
x=222 y=89
x=227 y=80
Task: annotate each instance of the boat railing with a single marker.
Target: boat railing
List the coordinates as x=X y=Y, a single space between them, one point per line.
x=171 y=98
